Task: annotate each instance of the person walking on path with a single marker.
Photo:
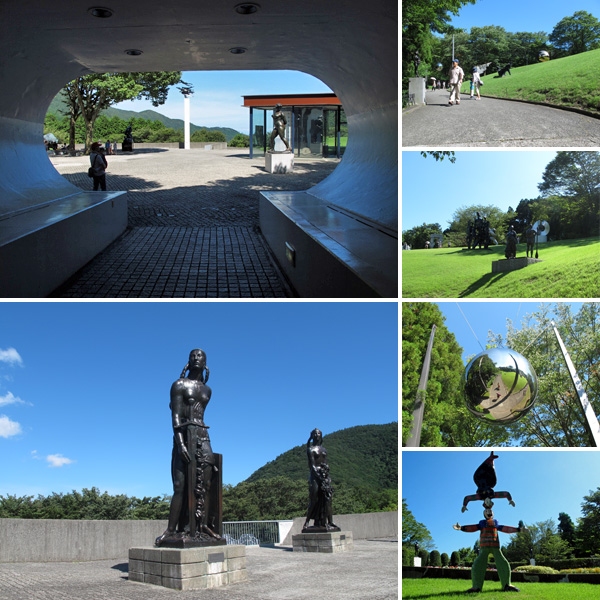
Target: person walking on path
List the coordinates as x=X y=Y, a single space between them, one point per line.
x=475 y=83
x=456 y=76
x=99 y=164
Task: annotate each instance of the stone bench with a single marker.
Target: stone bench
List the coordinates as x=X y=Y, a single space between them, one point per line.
x=326 y=252
x=42 y=246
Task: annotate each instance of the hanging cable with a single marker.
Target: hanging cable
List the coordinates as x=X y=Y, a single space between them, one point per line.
x=537 y=337
x=469 y=324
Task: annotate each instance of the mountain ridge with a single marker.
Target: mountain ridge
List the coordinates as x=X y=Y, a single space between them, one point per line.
x=359 y=456
x=58 y=108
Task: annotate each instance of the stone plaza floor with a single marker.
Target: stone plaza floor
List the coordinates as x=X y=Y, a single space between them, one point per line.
x=193 y=225
x=370 y=572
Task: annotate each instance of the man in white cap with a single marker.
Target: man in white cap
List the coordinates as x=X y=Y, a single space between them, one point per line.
x=456 y=76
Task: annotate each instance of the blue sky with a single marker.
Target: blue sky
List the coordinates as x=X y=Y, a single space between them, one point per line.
x=516 y=15
x=541 y=482
x=433 y=190
x=486 y=316
x=84 y=386
x=217 y=99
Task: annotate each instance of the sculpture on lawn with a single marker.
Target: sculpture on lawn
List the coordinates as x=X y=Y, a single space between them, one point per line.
x=530 y=238
x=320 y=490
x=279 y=123
x=480 y=233
x=511 y=243
x=503 y=71
x=195 y=512
x=485 y=479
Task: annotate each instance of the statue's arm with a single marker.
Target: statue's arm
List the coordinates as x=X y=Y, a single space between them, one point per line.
x=468 y=528
x=177 y=419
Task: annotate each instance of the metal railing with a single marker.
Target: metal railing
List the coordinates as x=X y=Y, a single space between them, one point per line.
x=251 y=533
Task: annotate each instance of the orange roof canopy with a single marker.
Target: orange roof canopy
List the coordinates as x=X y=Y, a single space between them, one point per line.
x=292 y=100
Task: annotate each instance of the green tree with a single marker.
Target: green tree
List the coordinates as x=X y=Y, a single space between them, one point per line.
x=540 y=540
x=446 y=421
x=575 y=176
x=435 y=559
x=420 y=20
x=566 y=528
x=455 y=559
x=489 y=44
x=588 y=526
x=576 y=34
x=464 y=214
x=556 y=418
x=418 y=236
x=90 y=94
x=204 y=135
x=414 y=532
x=239 y=141
x=445 y=559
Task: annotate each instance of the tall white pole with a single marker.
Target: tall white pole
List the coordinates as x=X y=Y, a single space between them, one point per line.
x=593 y=426
x=186 y=117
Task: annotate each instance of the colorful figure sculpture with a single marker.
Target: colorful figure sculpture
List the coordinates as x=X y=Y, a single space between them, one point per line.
x=485 y=480
x=489 y=543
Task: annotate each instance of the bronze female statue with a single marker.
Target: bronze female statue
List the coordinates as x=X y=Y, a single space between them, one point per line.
x=279 y=123
x=193 y=464
x=319 y=487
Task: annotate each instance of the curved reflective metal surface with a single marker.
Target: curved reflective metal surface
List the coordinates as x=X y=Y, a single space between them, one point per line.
x=500 y=386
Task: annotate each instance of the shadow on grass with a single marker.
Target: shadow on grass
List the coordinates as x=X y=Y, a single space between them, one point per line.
x=483 y=281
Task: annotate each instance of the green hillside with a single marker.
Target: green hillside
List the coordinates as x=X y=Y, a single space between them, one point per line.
x=570 y=269
x=570 y=81
x=365 y=456
x=58 y=107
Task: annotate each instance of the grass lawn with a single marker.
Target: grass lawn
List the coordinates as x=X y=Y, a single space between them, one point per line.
x=454 y=589
x=570 y=269
x=570 y=81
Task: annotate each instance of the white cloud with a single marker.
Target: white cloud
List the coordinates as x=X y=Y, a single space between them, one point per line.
x=8 y=427
x=10 y=398
x=58 y=460
x=10 y=356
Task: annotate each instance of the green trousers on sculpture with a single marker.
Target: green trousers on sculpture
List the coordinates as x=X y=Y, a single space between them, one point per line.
x=480 y=565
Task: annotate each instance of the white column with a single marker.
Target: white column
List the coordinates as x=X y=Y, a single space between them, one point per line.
x=186 y=117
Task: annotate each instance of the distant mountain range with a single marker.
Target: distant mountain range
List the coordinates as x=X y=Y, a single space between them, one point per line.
x=58 y=108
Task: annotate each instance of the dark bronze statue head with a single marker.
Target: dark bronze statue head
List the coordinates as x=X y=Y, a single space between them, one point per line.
x=197 y=362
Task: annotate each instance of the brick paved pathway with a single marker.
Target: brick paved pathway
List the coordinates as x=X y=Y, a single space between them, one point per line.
x=193 y=225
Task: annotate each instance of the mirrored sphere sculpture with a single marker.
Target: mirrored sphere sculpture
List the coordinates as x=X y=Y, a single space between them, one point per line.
x=500 y=386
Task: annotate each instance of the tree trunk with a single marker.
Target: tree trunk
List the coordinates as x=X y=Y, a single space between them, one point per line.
x=71 y=133
x=89 y=135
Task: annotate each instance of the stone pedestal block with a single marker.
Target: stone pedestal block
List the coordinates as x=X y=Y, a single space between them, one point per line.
x=279 y=162
x=332 y=541
x=512 y=264
x=188 y=568
x=416 y=88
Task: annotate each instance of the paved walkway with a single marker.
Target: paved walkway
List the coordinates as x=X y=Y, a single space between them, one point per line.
x=492 y=123
x=370 y=572
x=193 y=225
